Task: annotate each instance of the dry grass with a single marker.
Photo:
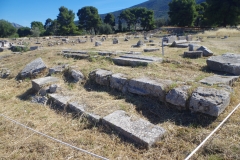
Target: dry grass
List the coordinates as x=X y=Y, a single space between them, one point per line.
x=223 y=32
x=184 y=131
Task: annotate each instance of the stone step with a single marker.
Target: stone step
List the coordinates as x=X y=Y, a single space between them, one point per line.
x=210 y=101
x=80 y=109
x=193 y=54
x=135 y=129
x=76 y=55
x=39 y=83
x=228 y=63
x=151 y=49
x=59 y=101
x=219 y=79
x=149 y=87
x=135 y=60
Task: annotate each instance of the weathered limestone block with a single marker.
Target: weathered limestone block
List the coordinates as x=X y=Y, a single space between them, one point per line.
x=140 y=43
x=136 y=129
x=57 y=69
x=182 y=38
x=151 y=49
x=193 y=54
x=206 y=52
x=101 y=76
x=193 y=47
x=40 y=100
x=219 y=79
x=135 y=60
x=210 y=101
x=115 y=41
x=178 y=42
x=98 y=43
x=77 y=75
x=80 y=109
x=33 y=68
x=119 y=81
x=59 y=101
x=53 y=88
x=39 y=83
x=229 y=63
x=76 y=55
x=178 y=97
x=149 y=87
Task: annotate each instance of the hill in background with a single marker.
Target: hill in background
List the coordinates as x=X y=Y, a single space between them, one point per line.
x=16 y=25
x=160 y=8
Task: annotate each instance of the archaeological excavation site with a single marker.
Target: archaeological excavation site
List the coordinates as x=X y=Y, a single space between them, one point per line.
x=139 y=95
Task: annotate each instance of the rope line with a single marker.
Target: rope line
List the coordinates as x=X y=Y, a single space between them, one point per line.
x=54 y=139
x=201 y=144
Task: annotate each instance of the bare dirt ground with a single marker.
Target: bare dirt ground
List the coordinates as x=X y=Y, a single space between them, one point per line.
x=184 y=130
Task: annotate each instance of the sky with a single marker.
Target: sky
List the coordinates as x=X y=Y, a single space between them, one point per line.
x=23 y=12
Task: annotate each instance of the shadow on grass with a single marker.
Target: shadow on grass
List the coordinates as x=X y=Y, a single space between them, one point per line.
x=154 y=110
x=26 y=95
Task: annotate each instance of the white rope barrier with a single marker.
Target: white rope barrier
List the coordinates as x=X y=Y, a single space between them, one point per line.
x=201 y=144
x=54 y=139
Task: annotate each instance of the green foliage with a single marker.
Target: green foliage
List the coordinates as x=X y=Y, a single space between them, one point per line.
x=35 y=32
x=6 y=29
x=51 y=27
x=161 y=22
x=37 y=27
x=134 y=16
x=105 y=29
x=24 y=31
x=223 y=13
x=89 y=19
x=19 y=48
x=182 y=12
x=109 y=19
x=65 y=19
x=120 y=27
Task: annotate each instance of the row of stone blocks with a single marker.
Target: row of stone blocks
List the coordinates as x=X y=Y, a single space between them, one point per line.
x=210 y=101
x=137 y=130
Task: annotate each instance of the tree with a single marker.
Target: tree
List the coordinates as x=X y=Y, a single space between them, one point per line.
x=200 y=19
x=120 y=27
x=6 y=29
x=147 y=19
x=223 y=13
x=51 y=26
x=134 y=16
x=89 y=19
x=24 y=31
x=65 y=19
x=109 y=19
x=105 y=29
x=182 y=12
x=39 y=25
x=35 y=32
x=48 y=23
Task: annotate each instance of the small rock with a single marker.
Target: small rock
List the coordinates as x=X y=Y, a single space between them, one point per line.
x=77 y=75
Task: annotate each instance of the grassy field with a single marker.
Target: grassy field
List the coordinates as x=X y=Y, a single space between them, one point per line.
x=184 y=130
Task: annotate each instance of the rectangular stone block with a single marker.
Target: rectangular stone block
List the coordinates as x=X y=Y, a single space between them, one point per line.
x=119 y=81
x=193 y=54
x=101 y=76
x=210 y=101
x=39 y=83
x=135 y=129
x=135 y=60
x=148 y=87
x=59 y=101
x=80 y=109
x=219 y=79
x=229 y=63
